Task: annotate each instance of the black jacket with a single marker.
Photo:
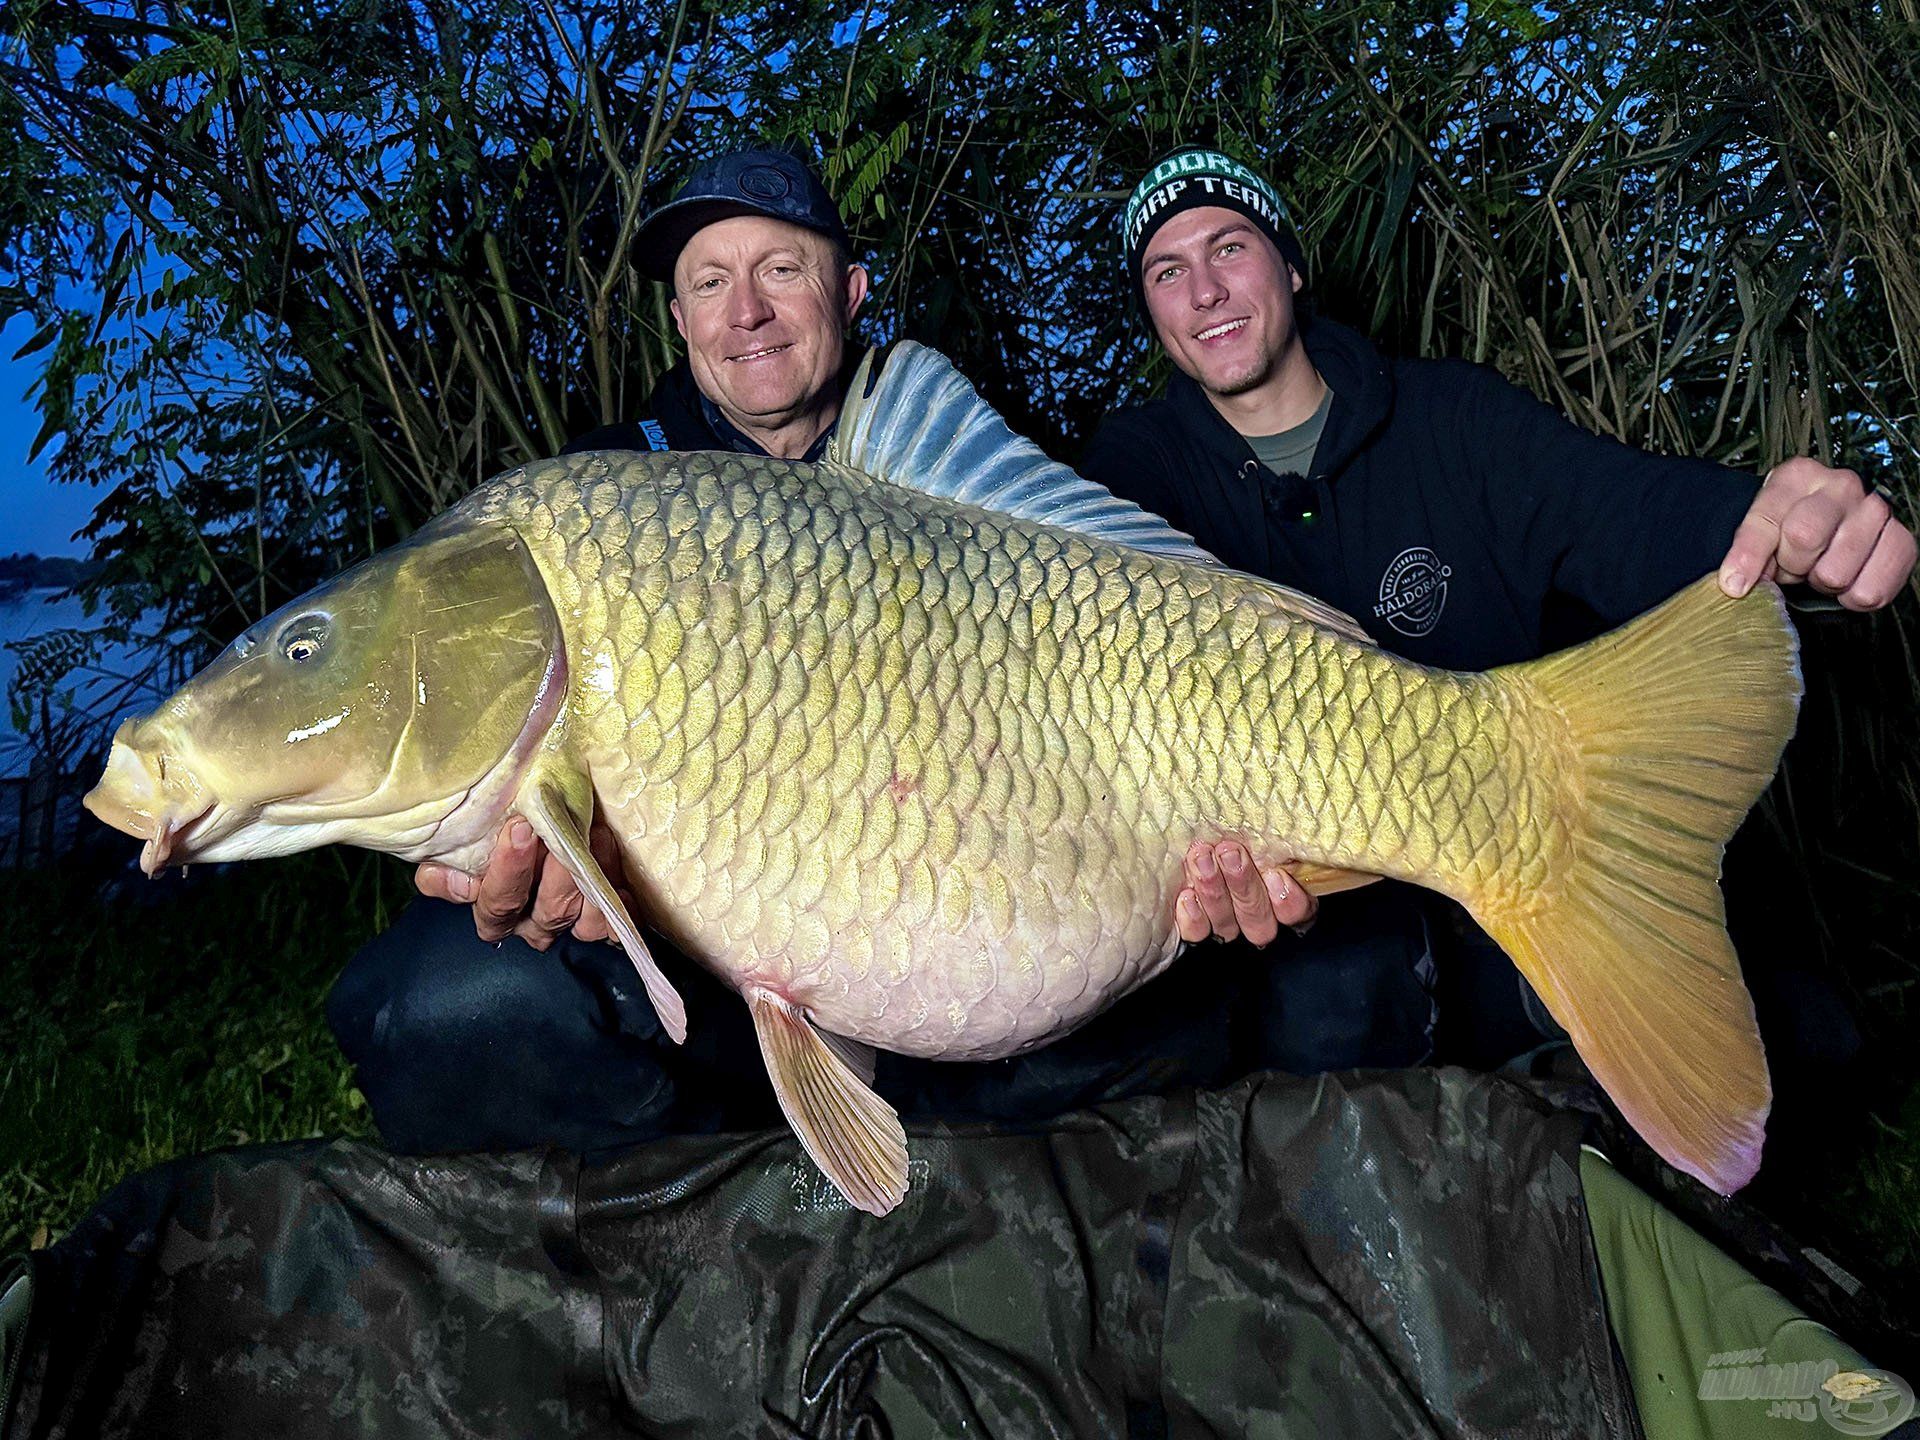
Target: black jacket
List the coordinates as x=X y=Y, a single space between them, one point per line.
x=1462 y=522
x=677 y=416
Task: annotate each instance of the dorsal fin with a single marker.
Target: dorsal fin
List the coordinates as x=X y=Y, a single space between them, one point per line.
x=920 y=425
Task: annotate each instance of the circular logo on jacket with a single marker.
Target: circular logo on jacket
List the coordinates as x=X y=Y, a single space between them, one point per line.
x=1413 y=591
x=763 y=182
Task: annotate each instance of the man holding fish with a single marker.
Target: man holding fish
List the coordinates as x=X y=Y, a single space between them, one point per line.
x=1464 y=523
x=1289 y=449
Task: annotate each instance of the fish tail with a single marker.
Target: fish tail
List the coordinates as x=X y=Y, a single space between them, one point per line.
x=1674 y=725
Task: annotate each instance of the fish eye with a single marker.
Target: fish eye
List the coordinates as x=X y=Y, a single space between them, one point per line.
x=303 y=638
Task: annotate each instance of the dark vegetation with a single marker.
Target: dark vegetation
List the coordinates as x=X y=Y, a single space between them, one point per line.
x=41 y=572
x=337 y=260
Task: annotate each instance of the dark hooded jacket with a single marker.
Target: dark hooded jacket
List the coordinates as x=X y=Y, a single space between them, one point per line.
x=1461 y=521
x=1465 y=525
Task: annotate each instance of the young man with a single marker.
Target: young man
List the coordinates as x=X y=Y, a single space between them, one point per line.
x=1462 y=522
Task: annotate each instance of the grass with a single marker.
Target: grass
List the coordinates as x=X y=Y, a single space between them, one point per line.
x=1872 y=1200
x=155 y=1019
x=1837 y=892
x=1843 y=1165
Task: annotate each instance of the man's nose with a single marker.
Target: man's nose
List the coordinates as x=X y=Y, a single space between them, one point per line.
x=1205 y=289
x=748 y=307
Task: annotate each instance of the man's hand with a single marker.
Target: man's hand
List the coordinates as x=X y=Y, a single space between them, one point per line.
x=1227 y=897
x=525 y=891
x=1823 y=526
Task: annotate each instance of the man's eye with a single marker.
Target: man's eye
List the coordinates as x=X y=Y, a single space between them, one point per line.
x=1166 y=274
x=709 y=285
x=1231 y=246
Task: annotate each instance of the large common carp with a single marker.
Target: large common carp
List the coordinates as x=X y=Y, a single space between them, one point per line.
x=907 y=747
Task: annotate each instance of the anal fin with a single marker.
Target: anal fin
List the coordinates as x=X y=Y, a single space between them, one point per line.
x=851 y=1133
x=561 y=820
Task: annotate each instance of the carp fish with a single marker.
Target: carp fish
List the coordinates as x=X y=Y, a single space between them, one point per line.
x=907 y=746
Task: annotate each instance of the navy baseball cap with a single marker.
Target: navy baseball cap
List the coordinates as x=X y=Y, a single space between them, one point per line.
x=742 y=182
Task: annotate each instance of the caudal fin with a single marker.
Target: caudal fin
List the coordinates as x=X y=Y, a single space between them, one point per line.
x=1676 y=723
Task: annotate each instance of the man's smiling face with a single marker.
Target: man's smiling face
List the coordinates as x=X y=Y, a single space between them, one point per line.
x=764 y=306
x=1221 y=298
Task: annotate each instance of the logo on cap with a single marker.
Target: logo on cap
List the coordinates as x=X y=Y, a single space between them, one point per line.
x=763 y=182
x=1220 y=176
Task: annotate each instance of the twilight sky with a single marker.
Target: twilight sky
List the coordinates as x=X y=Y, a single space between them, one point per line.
x=35 y=514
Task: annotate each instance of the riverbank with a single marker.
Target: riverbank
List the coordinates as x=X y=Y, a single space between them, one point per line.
x=46 y=768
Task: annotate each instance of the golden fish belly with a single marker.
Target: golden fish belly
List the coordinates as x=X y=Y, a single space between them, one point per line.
x=930 y=772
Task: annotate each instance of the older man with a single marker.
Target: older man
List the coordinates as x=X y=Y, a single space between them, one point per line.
x=765 y=289
x=1461 y=521
x=460 y=1042
x=547 y=1038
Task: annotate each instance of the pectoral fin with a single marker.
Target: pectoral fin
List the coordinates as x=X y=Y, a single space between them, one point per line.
x=560 y=809
x=1324 y=879
x=851 y=1133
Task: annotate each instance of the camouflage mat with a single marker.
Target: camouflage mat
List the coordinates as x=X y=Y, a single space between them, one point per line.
x=1400 y=1254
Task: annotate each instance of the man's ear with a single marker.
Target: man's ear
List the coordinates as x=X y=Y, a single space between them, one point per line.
x=679 y=320
x=1298 y=278
x=857 y=283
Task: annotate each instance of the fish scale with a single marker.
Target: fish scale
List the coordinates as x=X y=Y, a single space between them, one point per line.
x=940 y=869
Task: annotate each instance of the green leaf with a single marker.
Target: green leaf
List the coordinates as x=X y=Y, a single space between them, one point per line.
x=40 y=339
x=51 y=427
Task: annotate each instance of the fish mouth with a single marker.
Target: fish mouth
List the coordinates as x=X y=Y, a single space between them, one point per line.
x=152 y=798
x=173 y=837
x=176 y=840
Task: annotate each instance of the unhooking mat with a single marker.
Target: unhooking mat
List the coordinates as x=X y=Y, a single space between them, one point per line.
x=1404 y=1254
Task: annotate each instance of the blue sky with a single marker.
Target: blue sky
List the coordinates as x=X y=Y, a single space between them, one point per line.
x=35 y=514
